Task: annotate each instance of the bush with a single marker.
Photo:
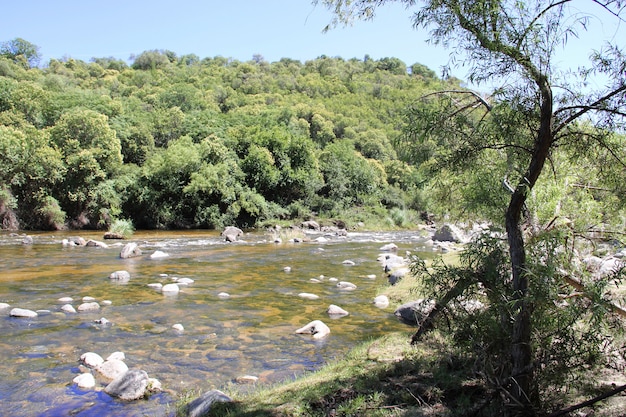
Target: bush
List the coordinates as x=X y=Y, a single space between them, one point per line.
x=122 y=227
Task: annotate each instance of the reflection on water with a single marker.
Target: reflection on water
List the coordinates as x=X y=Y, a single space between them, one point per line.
x=249 y=333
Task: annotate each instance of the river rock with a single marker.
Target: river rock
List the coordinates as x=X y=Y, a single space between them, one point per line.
x=348 y=262
x=111 y=369
x=232 y=233
x=87 y=299
x=178 y=327
x=449 y=233
x=156 y=286
x=130 y=250
x=96 y=244
x=157 y=254
x=4 y=305
x=414 y=312
x=76 y=241
x=22 y=312
x=184 y=281
x=113 y=236
x=85 y=381
x=170 y=289
x=90 y=306
x=389 y=247
x=308 y=296
x=310 y=225
x=129 y=386
x=154 y=385
x=246 y=379
x=334 y=310
x=316 y=328
x=201 y=405
x=91 y=359
x=120 y=275
x=65 y=300
x=27 y=240
x=397 y=274
x=345 y=285
x=68 y=308
x=223 y=295
x=381 y=301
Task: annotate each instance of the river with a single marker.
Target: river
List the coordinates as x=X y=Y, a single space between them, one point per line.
x=250 y=332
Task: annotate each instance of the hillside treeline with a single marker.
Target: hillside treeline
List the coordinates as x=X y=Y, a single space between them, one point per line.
x=182 y=142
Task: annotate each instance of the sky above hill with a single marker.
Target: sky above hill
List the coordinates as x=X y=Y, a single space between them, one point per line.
x=239 y=29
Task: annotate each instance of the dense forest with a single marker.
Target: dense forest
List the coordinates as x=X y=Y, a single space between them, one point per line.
x=183 y=142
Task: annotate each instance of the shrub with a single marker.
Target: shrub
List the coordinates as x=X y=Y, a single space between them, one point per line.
x=122 y=227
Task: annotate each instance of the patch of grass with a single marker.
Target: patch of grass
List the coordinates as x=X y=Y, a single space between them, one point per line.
x=384 y=377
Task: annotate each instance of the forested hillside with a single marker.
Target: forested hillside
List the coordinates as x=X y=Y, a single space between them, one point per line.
x=183 y=142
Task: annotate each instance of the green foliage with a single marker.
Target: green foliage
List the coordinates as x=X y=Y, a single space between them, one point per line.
x=21 y=51
x=122 y=227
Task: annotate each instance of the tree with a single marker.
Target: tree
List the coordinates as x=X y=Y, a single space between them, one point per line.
x=20 y=49
x=518 y=42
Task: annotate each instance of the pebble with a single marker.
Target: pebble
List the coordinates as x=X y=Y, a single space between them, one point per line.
x=65 y=300
x=223 y=295
x=156 y=286
x=178 y=327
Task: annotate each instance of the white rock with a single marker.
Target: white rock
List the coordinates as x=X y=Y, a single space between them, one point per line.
x=112 y=369
x=321 y=239
x=22 y=312
x=92 y=306
x=348 y=262
x=106 y=302
x=247 y=379
x=120 y=275
x=120 y=356
x=371 y=276
x=85 y=380
x=389 y=247
x=308 y=296
x=4 y=305
x=316 y=328
x=154 y=385
x=381 y=301
x=333 y=279
x=178 y=327
x=157 y=254
x=68 y=308
x=170 y=289
x=65 y=300
x=223 y=295
x=287 y=269
x=155 y=286
x=184 y=281
x=88 y=299
x=315 y=280
x=91 y=359
x=334 y=310
x=345 y=285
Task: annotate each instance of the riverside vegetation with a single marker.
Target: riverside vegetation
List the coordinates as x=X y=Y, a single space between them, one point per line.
x=176 y=142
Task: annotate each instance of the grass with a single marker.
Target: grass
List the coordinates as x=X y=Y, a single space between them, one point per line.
x=384 y=377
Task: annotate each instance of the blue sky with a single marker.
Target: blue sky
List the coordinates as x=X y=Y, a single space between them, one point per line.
x=237 y=29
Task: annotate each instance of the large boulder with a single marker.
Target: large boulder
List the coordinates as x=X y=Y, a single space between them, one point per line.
x=449 y=233
x=232 y=233
x=414 y=312
x=201 y=405
x=112 y=369
x=129 y=386
x=130 y=250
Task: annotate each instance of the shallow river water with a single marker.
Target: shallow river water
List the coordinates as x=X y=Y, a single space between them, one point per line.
x=252 y=332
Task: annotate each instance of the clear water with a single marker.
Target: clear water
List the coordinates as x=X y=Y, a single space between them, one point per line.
x=250 y=333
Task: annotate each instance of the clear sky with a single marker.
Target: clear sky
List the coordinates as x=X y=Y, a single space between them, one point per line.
x=236 y=29
x=239 y=29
